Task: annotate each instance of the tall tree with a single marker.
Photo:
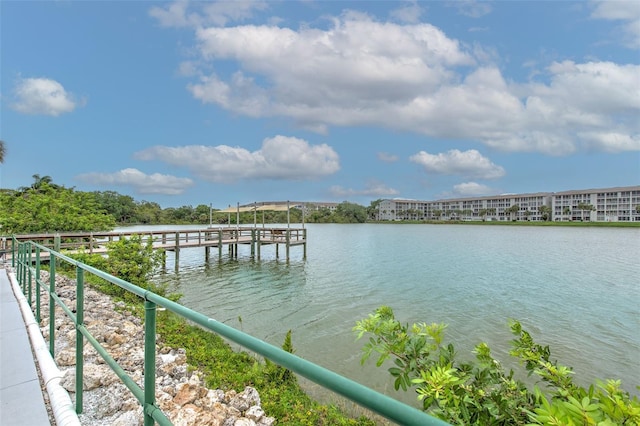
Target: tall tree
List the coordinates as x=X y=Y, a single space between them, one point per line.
x=121 y=207
x=372 y=210
x=584 y=207
x=512 y=211
x=545 y=212
x=40 y=181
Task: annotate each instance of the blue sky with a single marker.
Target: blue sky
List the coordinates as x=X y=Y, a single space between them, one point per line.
x=187 y=103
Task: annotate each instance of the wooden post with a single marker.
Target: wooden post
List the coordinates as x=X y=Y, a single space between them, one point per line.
x=304 y=245
x=219 y=244
x=253 y=243
x=258 y=243
x=177 y=250
x=287 y=242
x=206 y=254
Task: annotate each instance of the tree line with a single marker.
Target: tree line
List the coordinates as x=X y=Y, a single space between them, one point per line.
x=45 y=206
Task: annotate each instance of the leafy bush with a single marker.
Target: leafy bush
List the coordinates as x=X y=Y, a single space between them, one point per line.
x=129 y=259
x=482 y=392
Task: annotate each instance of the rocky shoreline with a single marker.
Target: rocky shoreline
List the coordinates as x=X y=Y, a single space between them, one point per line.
x=180 y=391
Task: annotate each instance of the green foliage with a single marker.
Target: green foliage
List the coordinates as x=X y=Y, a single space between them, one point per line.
x=345 y=212
x=131 y=260
x=277 y=373
x=121 y=207
x=545 y=212
x=482 y=392
x=46 y=207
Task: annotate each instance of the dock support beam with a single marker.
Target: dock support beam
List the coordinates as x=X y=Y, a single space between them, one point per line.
x=258 y=242
x=287 y=243
x=177 y=251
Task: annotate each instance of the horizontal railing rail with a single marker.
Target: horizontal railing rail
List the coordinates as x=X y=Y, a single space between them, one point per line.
x=27 y=264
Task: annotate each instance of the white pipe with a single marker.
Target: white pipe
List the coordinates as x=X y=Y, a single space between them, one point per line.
x=61 y=405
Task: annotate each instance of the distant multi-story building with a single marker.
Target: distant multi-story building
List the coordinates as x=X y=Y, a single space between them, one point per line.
x=619 y=204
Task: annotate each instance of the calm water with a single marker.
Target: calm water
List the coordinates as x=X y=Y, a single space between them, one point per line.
x=575 y=289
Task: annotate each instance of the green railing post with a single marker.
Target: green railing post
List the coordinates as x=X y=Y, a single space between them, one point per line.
x=14 y=242
x=149 y=360
x=23 y=269
x=19 y=266
x=52 y=304
x=38 y=284
x=79 y=338
x=29 y=276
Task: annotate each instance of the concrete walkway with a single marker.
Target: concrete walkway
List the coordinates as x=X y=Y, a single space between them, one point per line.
x=21 y=400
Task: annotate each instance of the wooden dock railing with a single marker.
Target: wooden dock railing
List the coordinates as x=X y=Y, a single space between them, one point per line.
x=172 y=240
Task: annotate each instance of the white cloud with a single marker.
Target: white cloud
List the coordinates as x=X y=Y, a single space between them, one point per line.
x=387 y=158
x=218 y=13
x=472 y=189
x=372 y=189
x=626 y=11
x=611 y=141
x=42 y=96
x=356 y=72
x=454 y=162
x=280 y=158
x=412 y=77
x=409 y=13
x=472 y=8
x=142 y=183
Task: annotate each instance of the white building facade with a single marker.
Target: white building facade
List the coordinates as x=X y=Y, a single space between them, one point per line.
x=619 y=204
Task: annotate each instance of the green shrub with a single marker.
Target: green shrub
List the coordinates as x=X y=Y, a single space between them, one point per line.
x=481 y=392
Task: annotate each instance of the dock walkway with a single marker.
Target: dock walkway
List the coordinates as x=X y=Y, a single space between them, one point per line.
x=21 y=399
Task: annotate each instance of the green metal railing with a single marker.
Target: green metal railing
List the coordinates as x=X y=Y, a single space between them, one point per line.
x=27 y=264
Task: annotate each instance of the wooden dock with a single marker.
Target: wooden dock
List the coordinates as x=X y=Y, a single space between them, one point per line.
x=173 y=240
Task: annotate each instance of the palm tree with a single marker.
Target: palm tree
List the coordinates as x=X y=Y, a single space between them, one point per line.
x=545 y=212
x=2 y=151
x=584 y=206
x=512 y=210
x=39 y=181
x=567 y=211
